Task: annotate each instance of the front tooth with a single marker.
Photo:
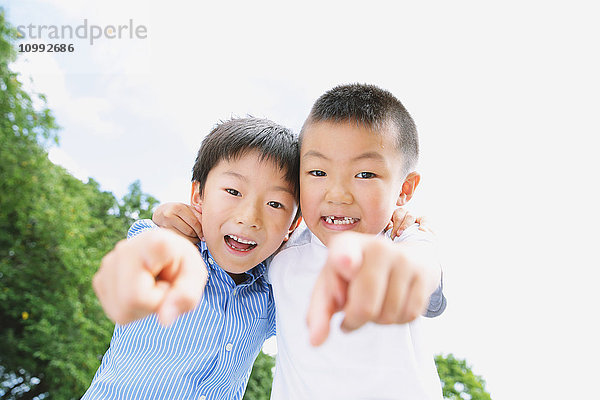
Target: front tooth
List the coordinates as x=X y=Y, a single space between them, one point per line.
x=240 y=240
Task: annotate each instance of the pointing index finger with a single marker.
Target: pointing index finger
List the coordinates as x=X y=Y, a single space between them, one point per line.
x=367 y=290
x=329 y=293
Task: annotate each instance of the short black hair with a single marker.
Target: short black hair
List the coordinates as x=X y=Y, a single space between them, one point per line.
x=372 y=107
x=236 y=137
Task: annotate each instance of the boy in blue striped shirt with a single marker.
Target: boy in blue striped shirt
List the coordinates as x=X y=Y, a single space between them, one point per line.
x=245 y=180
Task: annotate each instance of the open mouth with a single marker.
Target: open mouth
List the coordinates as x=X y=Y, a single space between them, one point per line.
x=239 y=244
x=336 y=220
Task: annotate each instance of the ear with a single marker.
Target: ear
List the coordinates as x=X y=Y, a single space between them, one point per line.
x=293 y=227
x=408 y=188
x=196 y=199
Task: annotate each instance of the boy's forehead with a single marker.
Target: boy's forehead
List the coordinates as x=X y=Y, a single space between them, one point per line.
x=350 y=142
x=244 y=167
x=321 y=133
x=349 y=127
x=238 y=164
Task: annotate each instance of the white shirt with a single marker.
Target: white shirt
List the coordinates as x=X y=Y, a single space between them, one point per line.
x=374 y=362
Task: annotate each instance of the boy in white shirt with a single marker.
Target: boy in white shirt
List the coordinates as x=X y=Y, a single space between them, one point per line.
x=358 y=149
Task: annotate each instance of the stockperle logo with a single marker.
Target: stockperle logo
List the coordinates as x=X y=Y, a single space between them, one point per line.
x=83 y=31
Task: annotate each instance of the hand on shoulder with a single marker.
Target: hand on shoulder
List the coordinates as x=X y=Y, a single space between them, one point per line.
x=181 y=218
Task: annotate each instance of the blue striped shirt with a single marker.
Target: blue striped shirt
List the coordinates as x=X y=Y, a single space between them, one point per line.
x=205 y=354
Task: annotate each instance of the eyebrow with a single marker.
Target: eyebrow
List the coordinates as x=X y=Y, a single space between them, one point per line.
x=236 y=175
x=274 y=188
x=313 y=153
x=283 y=189
x=372 y=155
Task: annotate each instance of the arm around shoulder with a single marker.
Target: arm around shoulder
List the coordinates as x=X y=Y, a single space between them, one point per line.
x=424 y=252
x=140 y=226
x=437 y=302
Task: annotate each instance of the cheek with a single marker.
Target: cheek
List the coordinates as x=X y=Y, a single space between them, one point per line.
x=279 y=224
x=377 y=205
x=211 y=221
x=310 y=198
x=305 y=203
x=275 y=235
x=209 y=230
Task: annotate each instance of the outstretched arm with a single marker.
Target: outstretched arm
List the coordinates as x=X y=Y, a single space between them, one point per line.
x=155 y=272
x=373 y=279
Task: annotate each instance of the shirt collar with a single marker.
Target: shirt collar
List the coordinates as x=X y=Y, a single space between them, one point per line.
x=315 y=239
x=254 y=274
x=318 y=242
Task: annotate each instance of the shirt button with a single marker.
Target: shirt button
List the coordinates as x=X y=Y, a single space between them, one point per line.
x=202 y=397
x=234 y=291
x=210 y=261
x=229 y=346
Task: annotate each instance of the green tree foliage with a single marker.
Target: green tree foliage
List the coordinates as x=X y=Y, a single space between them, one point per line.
x=261 y=378
x=136 y=204
x=54 y=229
x=458 y=381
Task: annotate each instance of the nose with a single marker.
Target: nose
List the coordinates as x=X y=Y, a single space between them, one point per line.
x=338 y=193
x=249 y=214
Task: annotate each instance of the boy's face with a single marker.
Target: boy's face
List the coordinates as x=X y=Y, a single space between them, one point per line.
x=350 y=178
x=247 y=211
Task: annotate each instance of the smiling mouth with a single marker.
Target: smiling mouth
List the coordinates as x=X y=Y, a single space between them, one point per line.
x=335 y=220
x=239 y=244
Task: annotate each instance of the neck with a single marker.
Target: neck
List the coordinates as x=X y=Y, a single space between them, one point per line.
x=237 y=278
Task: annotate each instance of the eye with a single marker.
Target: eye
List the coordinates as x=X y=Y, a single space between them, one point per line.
x=233 y=192
x=317 y=172
x=275 y=204
x=365 y=175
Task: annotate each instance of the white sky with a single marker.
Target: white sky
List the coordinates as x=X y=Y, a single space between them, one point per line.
x=506 y=98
